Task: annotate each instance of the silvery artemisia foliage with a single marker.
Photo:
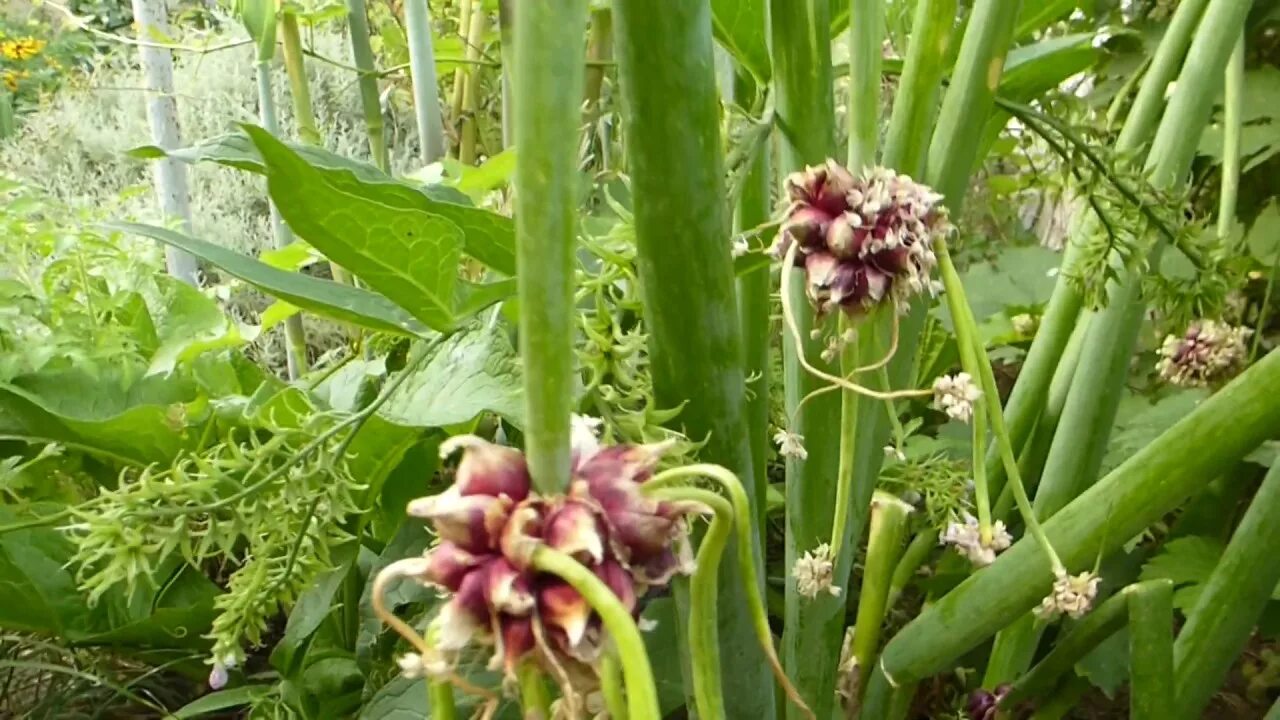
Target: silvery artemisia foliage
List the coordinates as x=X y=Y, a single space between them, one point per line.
x=863 y=240
x=222 y=503
x=489 y=521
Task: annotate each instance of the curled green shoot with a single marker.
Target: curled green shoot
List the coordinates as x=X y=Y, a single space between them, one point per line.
x=642 y=693
x=746 y=560
x=615 y=700
x=704 y=643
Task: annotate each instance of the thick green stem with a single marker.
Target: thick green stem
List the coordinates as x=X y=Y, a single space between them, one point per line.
x=754 y=310
x=704 y=643
x=1064 y=699
x=866 y=51
x=303 y=111
x=1151 y=688
x=465 y=8
x=1084 y=428
x=471 y=88
x=805 y=119
x=1087 y=418
x=846 y=497
x=908 y=135
x=672 y=121
x=295 y=336
x=1232 y=112
x=615 y=700
x=1027 y=398
x=299 y=87
x=362 y=53
x=535 y=700
x=547 y=91
x=1149 y=484
x=1072 y=645
x=426 y=93
x=1219 y=624
x=912 y=558
x=440 y=695
x=889 y=517
x=642 y=693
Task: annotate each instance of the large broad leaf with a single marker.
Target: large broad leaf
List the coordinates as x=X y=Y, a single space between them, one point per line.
x=1140 y=420
x=1032 y=70
x=322 y=297
x=472 y=373
x=1260 y=130
x=142 y=421
x=740 y=26
x=410 y=256
x=1036 y=68
x=223 y=700
x=40 y=596
x=187 y=323
x=487 y=236
x=1036 y=16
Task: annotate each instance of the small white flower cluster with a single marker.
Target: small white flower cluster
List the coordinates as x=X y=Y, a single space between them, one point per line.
x=966 y=538
x=1072 y=595
x=837 y=343
x=414 y=666
x=790 y=444
x=1024 y=324
x=813 y=573
x=739 y=247
x=955 y=395
x=1206 y=352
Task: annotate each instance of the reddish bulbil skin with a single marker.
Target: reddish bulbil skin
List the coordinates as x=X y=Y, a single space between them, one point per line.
x=490 y=518
x=861 y=240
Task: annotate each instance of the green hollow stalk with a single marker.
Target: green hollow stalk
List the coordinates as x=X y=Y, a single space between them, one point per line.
x=300 y=91
x=1060 y=316
x=866 y=41
x=1140 y=491
x=913 y=557
x=548 y=89
x=1220 y=623
x=295 y=335
x=1151 y=688
x=535 y=700
x=1094 y=397
x=362 y=54
x=754 y=313
x=506 y=29
x=704 y=643
x=615 y=700
x=1274 y=712
x=460 y=74
x=1073 y=644
x=1232 y=121
x=642 y=693
x=1075 y=454
x=440 y=696
x=813 y=628
x=907 y=137
x=426 y=92
x=672 y=121
x=889 y=517
x=469 y=132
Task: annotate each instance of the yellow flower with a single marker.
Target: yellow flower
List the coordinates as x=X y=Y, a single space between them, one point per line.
x=12 y=77
x=22 y=48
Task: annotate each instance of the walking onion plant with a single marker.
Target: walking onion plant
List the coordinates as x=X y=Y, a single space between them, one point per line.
x=743 y=245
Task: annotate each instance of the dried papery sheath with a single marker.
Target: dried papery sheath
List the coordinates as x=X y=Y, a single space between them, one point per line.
x=490 y=521
x=1207 y=353
x=863 y=240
